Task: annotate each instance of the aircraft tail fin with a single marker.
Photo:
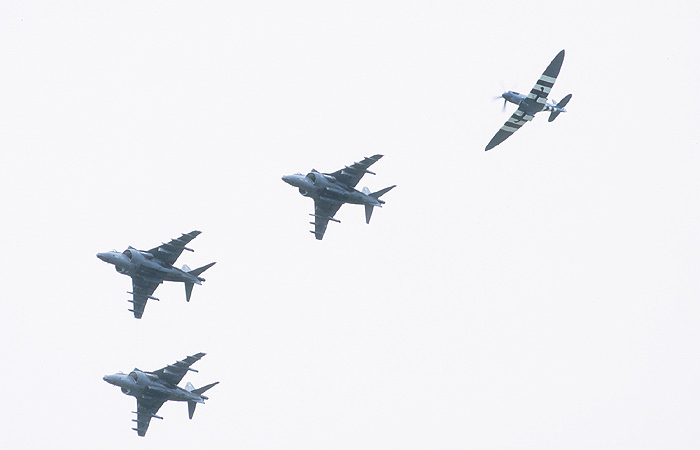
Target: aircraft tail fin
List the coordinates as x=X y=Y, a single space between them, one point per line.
x=370 y=208
x=561 y=104
x=196 y=273
x=190 y=408
x=204 y=389
x=191 y=405
x=368 y=212
x=381 y=192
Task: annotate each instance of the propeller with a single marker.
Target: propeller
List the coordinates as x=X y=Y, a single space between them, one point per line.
x=504 y=102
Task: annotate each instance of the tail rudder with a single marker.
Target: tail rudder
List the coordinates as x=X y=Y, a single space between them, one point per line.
x=368 y=212
x=196 y=272
x=190 y=408
x=376 y=195
x=191 y=405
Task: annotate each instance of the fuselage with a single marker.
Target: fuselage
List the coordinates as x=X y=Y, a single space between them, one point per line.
x=138 y=383
x=133 y=262
x=530 y=106
x=325 y=187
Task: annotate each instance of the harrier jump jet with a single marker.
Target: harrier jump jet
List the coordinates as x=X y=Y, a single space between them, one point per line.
x=331 y=190
x=148 y=269
x=533 y=103
x=152 y=389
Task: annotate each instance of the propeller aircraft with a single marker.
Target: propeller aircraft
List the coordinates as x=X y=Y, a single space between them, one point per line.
x=532 y=103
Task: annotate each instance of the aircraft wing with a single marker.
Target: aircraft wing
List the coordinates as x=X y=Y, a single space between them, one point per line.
x=351 y=175
x=517 y=120
x=146 y=409
x=143 y=289
x=324 y=211
x=173 y=373
x=541 y=89
x=169 y=252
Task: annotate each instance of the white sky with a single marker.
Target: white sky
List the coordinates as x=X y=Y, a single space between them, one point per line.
x=543 y=295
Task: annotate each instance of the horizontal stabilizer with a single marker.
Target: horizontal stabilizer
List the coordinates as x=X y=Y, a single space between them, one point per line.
x=564 y=101
x=192 y=405
x=195 y=272
x=561 y=105
x=370 y=208
x=381 y=192
x=204 y=389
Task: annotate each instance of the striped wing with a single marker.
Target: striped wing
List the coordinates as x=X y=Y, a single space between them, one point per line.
x=534 y=103
x=541 y=90
x=512 y=125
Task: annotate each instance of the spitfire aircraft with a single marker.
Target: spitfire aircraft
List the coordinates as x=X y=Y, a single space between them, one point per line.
x=331 y=190
x=148 y=269
x=152 y=389
x=531 y=104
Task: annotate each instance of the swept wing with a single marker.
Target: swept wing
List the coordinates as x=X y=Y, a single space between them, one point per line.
x=170 y=251
x=351 y=175
x=324 y=211
x=173 y=373
x=146 y=408
x=143 y=289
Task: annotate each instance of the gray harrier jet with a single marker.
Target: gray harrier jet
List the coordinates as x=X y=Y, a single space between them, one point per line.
x=152 y=389
x=532 y=103
x=331 y=190
x=148 y=269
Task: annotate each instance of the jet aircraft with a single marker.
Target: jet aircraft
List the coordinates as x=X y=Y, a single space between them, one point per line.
x=152 y=389
x=331 y=190
x=531 y=104
x=148 y=269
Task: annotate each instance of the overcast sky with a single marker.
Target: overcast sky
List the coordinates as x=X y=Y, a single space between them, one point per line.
x=542 y=295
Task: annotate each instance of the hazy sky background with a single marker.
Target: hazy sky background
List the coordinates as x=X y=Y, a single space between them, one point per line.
x=543 y=295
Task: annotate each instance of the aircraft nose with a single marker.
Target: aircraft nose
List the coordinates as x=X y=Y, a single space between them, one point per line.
x=111 y=379
x=102 y=256
x=286 y=178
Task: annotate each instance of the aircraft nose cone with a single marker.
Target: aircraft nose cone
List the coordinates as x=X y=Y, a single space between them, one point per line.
x=102 y=256
x=287 y=179
x=109 y=379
